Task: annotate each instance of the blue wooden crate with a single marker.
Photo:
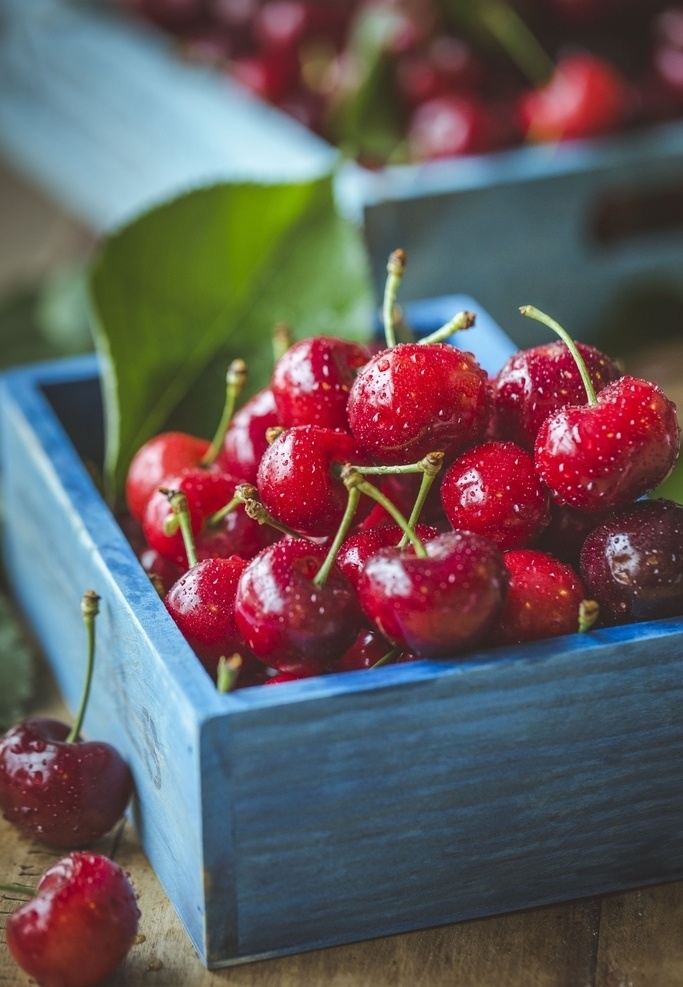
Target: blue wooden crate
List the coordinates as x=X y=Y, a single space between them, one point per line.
x=354 y=805
x=102 y=113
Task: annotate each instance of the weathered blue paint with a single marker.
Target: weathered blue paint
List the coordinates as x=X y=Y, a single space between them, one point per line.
x=349 y=806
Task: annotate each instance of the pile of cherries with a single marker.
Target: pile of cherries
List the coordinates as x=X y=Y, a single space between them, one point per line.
x=376 y=506
x=414 y=80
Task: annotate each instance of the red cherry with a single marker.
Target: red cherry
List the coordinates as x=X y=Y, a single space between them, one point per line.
x=62 y=793
x=440 y=605
x=312 y=379
x=537 y=381
x=79 y=926
x=450 y=126
x=163 y=456
x=598 y=457
x=297 y=479
x=585 y=97
x=369 y=647
x=544 y=598
x=202 y=605
x=494 y=489
x=207 y=492
x=245 y=439
x=413 y=399
x=359 y=547
x=289 y=621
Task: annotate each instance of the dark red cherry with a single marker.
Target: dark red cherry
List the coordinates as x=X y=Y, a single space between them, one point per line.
x=298 y=480
x=312 y=379
x=62 y=793
x=537 y=381
x=289 y=621
x=544 y=598
x=413 y=399
x=632 y=563
x=494 y=489
x=438 y=606
x=369 y=647
x=450 y=126
x=598 y=457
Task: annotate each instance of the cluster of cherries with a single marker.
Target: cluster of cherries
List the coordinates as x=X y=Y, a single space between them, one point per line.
x=80 y=921
x=374 y=507
x=422 y=79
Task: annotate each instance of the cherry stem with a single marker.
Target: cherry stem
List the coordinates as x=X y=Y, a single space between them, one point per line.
x=387 y=658
x=282 y=340
x=534 y=313
x=352 y=478
x=431 y=465
x=463 y=320
x=22 y=889
x=520 y=44
x=181 y=517
x=351 y=505
x=396 y=266
x=227 y=672
x=589 y=611
x=243 y=493
x=235 y=379
x=257 y=512
x=89 y=610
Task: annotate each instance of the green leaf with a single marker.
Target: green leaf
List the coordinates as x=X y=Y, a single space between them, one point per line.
x=186 y=288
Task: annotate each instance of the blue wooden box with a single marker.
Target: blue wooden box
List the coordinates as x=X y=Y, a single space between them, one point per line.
x=103 y=115
x=354 y=805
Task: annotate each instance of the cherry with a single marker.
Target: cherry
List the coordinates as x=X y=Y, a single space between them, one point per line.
x=202 y=605
x=59 y=789
x=312 y=379
x=585 y=97
x=80 y=924
x=207 y=493
x=358 y=547
x=440 y=603
x=290 y=620
x=451 y=125
x=614 y=449
x=298 y=479
x=494 y=489
x=632 y=563
x=245 y=439
x=415 y=398
x=546 y=598
x=566 y=533
x=163 y=456
x=369 y=648
x=539 y=380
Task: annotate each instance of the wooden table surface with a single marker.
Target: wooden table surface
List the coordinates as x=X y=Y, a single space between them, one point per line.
x=633 y=939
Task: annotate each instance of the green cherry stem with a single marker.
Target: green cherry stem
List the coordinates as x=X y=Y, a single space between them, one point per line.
x=352 y=478
x=21 y=889
x=589 y=611
x=257 y=512
x=243 y=493
x=351 y=504
x=396 y=266
x=534 y=313
x=227 y=672
x=89 y=610
x=387 y=658
x=180 y=517
x=281 y=340
x=463 y=320
x=235 y=379
x=431 y=466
